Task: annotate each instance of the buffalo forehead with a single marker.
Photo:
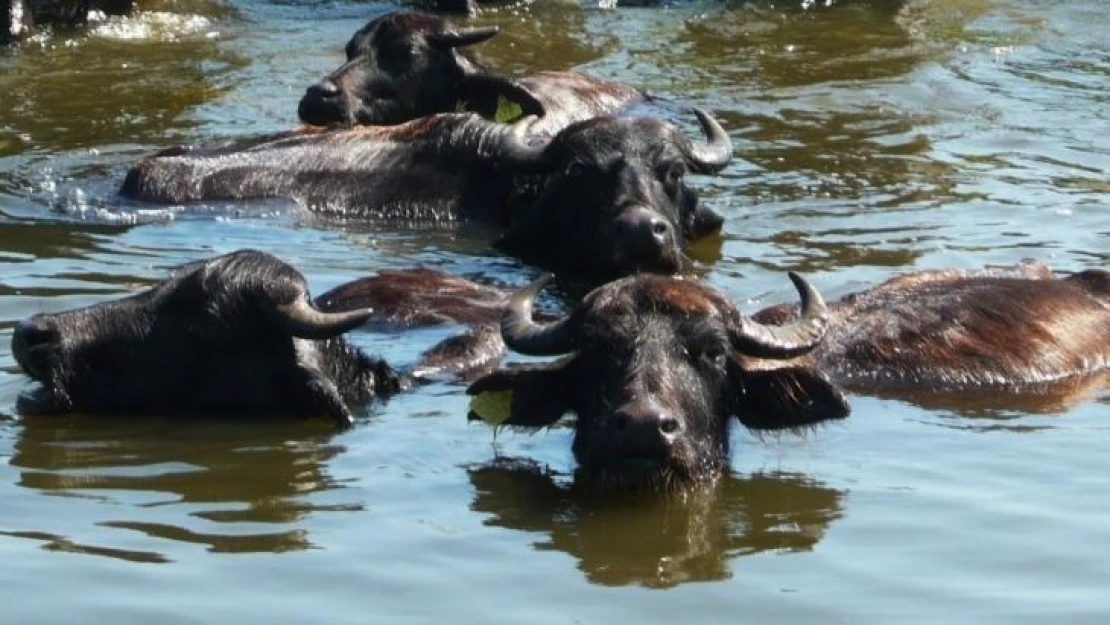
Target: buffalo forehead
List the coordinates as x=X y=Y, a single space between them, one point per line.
x=680 y=296
x=602 y=138
x=412 y=22
x=651 y=293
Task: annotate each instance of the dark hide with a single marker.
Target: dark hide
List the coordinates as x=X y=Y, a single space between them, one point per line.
x=418 y=297
x=431 y=170
x=1015 y=329
x=656 y=346
x=604 y=198
x=655 y=381
x=18 y=18
x=406 y=65
x=617 y=197
x=232 y=335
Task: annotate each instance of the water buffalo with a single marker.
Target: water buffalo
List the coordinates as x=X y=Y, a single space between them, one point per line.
x=232 y=335
x=18 y=18
x=1012 y=329
x=659 y=367
x=660 y=364
x=603 y=198
x=406 y=65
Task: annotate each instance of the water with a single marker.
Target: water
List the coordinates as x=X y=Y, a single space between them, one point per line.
x=872 y=140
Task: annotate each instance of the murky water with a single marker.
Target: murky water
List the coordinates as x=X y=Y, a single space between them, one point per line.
x=952 y=133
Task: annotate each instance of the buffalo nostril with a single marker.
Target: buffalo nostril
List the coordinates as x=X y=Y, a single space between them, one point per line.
x=643 y=429
x=324 y=89
x=659 y=228
x=669 y=425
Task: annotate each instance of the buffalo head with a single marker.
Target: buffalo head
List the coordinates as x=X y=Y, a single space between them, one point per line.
x=400 y=66
x=235 y=334
x=658 y=367
x=613 y=199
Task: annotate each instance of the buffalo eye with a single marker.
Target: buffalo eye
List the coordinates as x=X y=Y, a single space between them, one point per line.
x=575 y=170
x=710 y=356
x=672 y=177
x=715 y=357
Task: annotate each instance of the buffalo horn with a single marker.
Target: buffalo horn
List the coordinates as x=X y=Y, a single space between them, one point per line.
x=524 y=335
x=464 y=37
x=788 y=341
x=303 y=321
x=711 y=157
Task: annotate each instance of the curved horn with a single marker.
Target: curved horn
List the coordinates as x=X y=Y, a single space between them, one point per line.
x=712 y=157
x=462 y=37
x=304 y=321
x=788 y=341
x=524 y=335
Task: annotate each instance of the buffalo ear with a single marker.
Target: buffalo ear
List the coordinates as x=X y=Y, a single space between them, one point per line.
x=787 y=398
x=524 y=396
x=496 y=98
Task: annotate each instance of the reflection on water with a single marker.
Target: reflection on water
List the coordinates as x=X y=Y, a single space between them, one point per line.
x=872 y=138
x=658 y=541
x=237 y=487
x=1054 y=399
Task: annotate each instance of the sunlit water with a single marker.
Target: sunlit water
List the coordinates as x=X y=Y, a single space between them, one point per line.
x=871 y=140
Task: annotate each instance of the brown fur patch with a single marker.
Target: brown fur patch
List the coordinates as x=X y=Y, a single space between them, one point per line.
x=417 y=297
x=1008 y=328
x=682 y=296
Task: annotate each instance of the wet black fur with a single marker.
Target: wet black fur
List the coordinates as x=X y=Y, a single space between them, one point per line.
x=560 y=213
x=202 y=342
x=633 y=346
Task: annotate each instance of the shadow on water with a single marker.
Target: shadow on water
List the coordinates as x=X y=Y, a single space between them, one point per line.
x=995 y=410
x=655 y=541
x=233 y=487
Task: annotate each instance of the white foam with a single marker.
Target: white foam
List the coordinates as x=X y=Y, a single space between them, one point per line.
x=155 y=26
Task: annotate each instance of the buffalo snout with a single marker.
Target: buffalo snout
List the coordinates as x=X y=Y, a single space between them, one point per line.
x=642 y=431
x=323 y=104
x=647 y=238
x=35 y=341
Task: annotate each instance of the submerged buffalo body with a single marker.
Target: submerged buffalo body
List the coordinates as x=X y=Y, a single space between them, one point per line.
x=406 y=65
x=657 y=372
x=660 y=365
x=18 y=18
x=1015 y=329
x=603 y=198
x=233 y=335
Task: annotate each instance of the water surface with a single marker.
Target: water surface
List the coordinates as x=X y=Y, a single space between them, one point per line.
x=872 y=138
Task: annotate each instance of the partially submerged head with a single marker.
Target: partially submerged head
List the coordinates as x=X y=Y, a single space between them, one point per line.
x=400 y=66
x=614 y=199
x=233 y=334
x=657 y=368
